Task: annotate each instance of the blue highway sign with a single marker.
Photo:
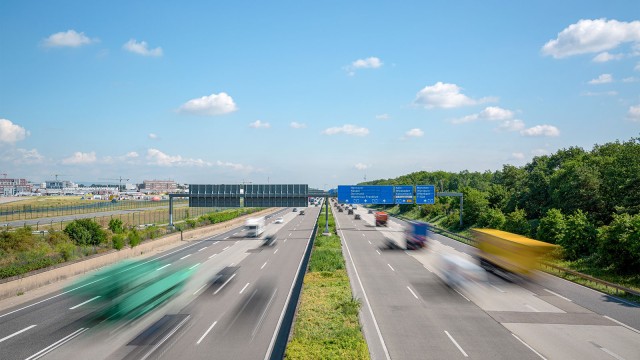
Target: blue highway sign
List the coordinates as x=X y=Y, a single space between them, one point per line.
x=404 y=194
x=370 y=194
x=425 y=194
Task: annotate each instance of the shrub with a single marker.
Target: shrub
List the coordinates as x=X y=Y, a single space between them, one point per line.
x=117 y=241
x=492 y=219
x=552 y=227
x=116 y=226
x=579 y=239
x=516 y=222
x=134 y=238
x=619 y=243
x=66 y=250
x=57 y=237
x=85 y=232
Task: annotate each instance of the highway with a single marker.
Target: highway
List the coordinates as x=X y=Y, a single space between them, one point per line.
x=410 y=313
x=237 y=318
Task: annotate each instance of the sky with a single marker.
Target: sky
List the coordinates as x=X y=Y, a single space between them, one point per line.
x=320 y=93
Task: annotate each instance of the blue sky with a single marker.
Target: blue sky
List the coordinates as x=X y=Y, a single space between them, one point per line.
x=323 y=93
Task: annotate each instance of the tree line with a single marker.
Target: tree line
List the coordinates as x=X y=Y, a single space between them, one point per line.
x=586 y=201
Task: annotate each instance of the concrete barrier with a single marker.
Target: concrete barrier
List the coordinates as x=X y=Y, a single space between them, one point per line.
x=17 y=286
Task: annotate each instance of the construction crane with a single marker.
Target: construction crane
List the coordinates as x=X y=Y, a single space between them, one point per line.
x=56 y=175
x=120 y=181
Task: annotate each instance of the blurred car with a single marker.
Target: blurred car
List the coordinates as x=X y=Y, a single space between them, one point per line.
x=350 y=212
x=340 y=209
x=301 y=212
x=270 y=240
x=279 y=220
x=295 y=209
x=370 y=211
x=357 y=217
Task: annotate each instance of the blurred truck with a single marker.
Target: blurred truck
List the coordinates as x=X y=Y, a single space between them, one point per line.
x=513 y=253
x=254 y=227
x=414 y=237
x=381 y=218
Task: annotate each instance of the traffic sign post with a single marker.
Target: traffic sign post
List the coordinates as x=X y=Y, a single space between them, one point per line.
x=403 y=194
x=369 y=194
x=425 y=194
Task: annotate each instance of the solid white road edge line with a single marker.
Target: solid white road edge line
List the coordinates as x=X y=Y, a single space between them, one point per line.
x=77 y=306
x=206 y=332
x=456 y=343
x=461 y=294
x=364 y=294
x=622 y=324
x=530 y=348
x=17 y=333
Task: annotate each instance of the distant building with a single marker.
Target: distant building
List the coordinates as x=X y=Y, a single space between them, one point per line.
x=58 y=184
x=10 y=187
x=159 y=186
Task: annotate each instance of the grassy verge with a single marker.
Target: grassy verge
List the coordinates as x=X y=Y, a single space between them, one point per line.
x=327 y=324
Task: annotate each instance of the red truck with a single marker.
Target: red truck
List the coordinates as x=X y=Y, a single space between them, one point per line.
x=381 y=218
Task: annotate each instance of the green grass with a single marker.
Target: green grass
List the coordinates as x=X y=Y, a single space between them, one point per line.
x=327 y=325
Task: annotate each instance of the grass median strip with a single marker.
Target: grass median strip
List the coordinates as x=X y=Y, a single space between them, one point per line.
x=327 y=325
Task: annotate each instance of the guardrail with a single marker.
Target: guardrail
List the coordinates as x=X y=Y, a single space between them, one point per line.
x=587 y=278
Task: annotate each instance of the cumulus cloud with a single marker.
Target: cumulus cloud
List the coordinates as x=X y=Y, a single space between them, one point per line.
x=22 y=156
x=153 y=136
x=511 y=125
x=414 y=133
x=157 y=157
x=591 y=36
x=490 y=113
x=141 y=48
x=443 y=95
x=297 y=125
x=361 y=166
x=131 y=155
x=259 y=125
x=602 y=79
x=214 y=104
x=599 y=93
x=11 y=133
x=234 y=166
x=634 y=113
x=630 y=79
x=368 y=63
x=517 y=156
x=80 y=158
x=605 y=56
x=347 y=129
x=541 y=130
x=69 y=38
x=383 y=117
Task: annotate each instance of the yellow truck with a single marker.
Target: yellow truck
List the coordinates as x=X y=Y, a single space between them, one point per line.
x=509 y=252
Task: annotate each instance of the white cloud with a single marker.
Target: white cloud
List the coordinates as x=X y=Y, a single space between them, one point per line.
x=259 y=124
x=157 y=157
x=297 y=125
x=630 y=79
x=414 y=133
x=605 y=56
x=347 y=129
x=361 y=166
x=511 y=125
x=234 y=166
x=637 y=67
x=517 y=156
x=491 y=113
x=368 y=63
x=22 y=156
x=383 y=117
x=80 y=158
x=443 y=95
x=141 y=48
x=131 y=155
x=634 y=113
x=602 y=79
x=541 y=130
x=11 y=133
x=214 y=104
x=591 y=36
x=153 y=136
x=600 y=93
x=69 y=38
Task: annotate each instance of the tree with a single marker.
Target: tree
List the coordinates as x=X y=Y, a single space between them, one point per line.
x=579 y=239
x=475 y=203
x=576 y=186
x=619 y=243
x=552 y=227
x=85 y=232
x=492 y=219
x=516 y=222
x=116 y=226
x=134 y=238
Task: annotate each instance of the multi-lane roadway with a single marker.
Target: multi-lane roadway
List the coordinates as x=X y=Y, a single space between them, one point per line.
x=410 y=313
x=235 y=318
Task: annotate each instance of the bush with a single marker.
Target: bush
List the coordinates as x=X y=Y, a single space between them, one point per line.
x=117 y=241
x=516 y=222
x=116 y=226
x=134 y=238
x=552 y=227
x=17 y=241
x=619 y=243
x=66 y=250
x=579 y=239
x=492 y=219
x=85 y=232
x=57 y=237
